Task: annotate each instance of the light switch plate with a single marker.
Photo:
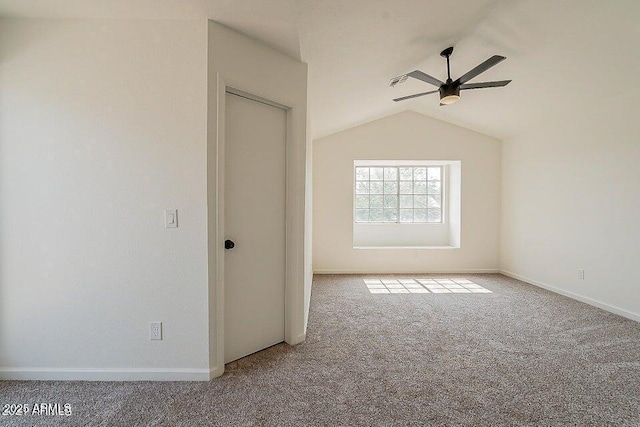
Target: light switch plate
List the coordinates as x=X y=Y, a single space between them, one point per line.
x=171 y=218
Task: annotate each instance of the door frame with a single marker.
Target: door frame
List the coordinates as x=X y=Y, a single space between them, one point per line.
x=294 y=220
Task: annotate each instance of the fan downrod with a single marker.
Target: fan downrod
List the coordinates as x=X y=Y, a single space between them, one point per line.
x=446 y=54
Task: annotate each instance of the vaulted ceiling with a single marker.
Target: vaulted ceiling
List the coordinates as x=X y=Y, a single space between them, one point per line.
x=561 y=55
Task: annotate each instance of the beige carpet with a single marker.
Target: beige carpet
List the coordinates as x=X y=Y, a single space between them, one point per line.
x=516 y=355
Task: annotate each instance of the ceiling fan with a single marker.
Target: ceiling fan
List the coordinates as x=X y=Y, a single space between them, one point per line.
x=450 y=90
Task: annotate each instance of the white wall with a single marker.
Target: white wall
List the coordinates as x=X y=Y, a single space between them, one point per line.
x=570 y=201
x=405 y=136
x=102 y=127
x=242 y=63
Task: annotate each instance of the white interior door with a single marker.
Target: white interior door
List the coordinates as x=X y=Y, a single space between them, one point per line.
x=255 y=223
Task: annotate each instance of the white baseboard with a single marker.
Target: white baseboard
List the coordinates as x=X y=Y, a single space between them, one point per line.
x=608 y=307
x=68 y=374
x=453 y=271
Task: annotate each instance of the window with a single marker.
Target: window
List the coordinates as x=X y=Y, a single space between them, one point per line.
x=406 y=204
x=398 y=194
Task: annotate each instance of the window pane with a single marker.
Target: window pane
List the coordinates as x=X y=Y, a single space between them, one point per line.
x=403 y=194
x=406 y=201
x=390 y=174
x=376 y=201
x=435 y=215
x=406 y=174
x=420 y=187
x=406 y=187
x=375 y=187
x=376 y=174
x=362 y=201
x=434 y=187
x=420 y=174
x=391 y=215
x=362 y=215
x=406 y=215
x=390 y=201
x=419 y=201
x=362 y=174
x=433 y=173
x=362 y=187
x=391 y=187
x=375 y=215
x=419 y=215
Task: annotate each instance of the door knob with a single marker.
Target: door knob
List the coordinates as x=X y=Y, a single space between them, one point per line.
x=228 y=244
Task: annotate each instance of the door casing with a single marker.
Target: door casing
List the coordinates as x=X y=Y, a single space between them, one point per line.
x=294 y=229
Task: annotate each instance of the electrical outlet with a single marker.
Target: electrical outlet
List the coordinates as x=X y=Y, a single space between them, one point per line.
x=155 y=330
x=581 y=274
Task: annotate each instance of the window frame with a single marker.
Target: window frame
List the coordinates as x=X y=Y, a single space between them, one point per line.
x=442 y=165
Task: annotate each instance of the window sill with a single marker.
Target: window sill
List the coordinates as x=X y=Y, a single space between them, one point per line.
x=405 y=247
x=389 y=223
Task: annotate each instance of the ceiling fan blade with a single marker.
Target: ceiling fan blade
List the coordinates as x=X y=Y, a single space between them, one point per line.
x=494 y=60
x=485 y=84
x=415 y=95
x=417 y=74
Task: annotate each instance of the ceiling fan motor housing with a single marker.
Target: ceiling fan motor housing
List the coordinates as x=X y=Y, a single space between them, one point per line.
x=449 y=89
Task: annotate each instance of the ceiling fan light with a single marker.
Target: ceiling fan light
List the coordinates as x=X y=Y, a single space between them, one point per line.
x=449 y=93
x=450 y=99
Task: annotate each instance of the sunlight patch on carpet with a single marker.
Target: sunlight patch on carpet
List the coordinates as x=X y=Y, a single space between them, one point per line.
x=424 y=286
